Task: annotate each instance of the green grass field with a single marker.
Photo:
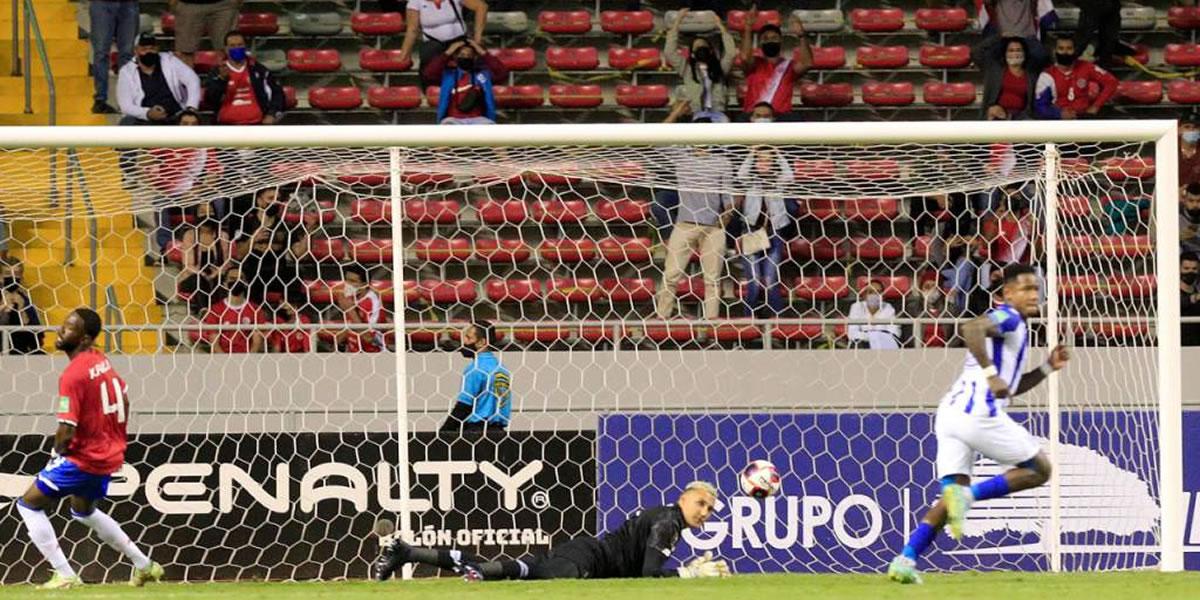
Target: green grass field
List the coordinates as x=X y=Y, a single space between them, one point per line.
x=968 y=586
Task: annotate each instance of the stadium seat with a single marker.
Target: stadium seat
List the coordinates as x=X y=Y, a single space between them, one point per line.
x=559 y=211
x=679 y=333
x=643 y=96
x=513 y=290
x=1120 y=168
x=827 y=94
x=828 y=57
x=871 y=248
x=1068 y=18
x=567 y=250
x=830 y=20
x=258 y=23
x=377 y=23
x=1111 y=246
x=920 y=247
x=289 y=97
x=690 y=288
x=576 y=96
x=585 y=58
x=942 y=19
x=696 y=21
x=501 y=212
x=1132 y=286
x=1078 y=286
x=795 y=333
x=432 y=95
x=822 y=249
x=933 y=336
x=882 y=57
x=1075 y=165
x=542 y=334
x=628 y=289
x=207 y=60
x=315 y=24
x=506 y=22
x=895 y=287
x=397 y=97
x=1075 y=207
x=728 y=333
x=321 y=291
x=370 y=251
x=1136 y=17
x=519 y=96
x=453 y=291
x=816 y=169
x=321 y=249
x=167 y=23
x=383 y=61
x=877 y=20
x=627 y=22
x=1186 y=18
x=1182 y=55
x=1139 y=92
x=1183 y=91
x=820 y=288
x=819 y=208
x=335 y=98
x=325 y=213
x=561 y=289
x=622 y=250
x=498 y=251
x=565 y=21
x=948 y=94
x=870 y=209
x=515 y=59
x=736 y=20
x=420 y=211
x=314 y=60
x=873 y=168
x=634 y=59
x=443 y=250
x=888 y=94
x=945 y=57
x=623 y=210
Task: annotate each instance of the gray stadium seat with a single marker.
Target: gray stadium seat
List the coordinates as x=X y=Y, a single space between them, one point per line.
x=322 y=23
x=507 y=22
x=274 y=60
x=821 y=21
x=146 y=24
x=1135 y=16
x=1068 y=17
x=695 y=22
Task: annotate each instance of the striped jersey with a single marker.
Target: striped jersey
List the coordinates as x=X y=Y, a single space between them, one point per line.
x=1009 y=353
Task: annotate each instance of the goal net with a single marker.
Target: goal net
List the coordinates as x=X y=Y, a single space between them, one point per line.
x=288 y=307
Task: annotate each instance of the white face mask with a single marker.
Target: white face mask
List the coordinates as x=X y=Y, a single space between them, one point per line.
x=351 y=289
x=874 y=300
x=1015 y=61
x=762 y=120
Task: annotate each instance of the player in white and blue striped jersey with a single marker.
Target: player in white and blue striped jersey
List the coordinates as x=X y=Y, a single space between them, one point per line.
x=971 y=418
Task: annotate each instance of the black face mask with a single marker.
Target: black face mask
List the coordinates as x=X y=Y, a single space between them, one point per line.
x=1065 y=60
x=704 y=54
x=468 y=353
x=771 y=49
x=466 y=64
x=149 y=59
x=1193 y=213
x=1188 y=278
x=9 y=283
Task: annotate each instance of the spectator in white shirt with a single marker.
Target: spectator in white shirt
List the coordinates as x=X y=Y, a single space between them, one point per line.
x=766 y=173
x=438 y=23
x=881 y=336
x=157 y=87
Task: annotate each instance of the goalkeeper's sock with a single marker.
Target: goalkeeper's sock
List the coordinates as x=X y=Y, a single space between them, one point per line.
x=108 y=530
x=919 y=540
x=995 y=487
x=504 y=569
x=442 y=559
x=41 y=532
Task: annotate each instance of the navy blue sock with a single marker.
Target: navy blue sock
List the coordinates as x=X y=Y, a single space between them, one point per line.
x=990 y=488
x=919 y=540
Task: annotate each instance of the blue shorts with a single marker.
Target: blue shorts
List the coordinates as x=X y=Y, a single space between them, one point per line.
x=63 y=478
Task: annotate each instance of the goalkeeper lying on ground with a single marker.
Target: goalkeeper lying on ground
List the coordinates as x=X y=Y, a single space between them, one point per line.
x=637 y=549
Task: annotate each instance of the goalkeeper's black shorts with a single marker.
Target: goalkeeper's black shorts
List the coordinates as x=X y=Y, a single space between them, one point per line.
x=580 y=558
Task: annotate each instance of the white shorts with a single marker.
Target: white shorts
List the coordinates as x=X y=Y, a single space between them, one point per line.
x=960 y=436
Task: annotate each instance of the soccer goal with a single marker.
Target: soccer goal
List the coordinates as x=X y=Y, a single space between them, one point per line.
x=285 y=440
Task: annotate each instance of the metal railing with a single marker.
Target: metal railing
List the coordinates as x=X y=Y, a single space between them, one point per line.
x=24 y=51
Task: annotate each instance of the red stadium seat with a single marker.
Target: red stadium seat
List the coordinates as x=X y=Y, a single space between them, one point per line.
x=691 y=288
x=895 y=287
x=828 y=57
x=942 y=19
x=542 y=334
x=820 y=288
x=1113 y=246
x=621 y=250
x=314 y=60
x=1129 y=167
x=821 y=249
x=632 y=59
x=1139 y=92
x=643 y=96
x=326 y=249
x=565 y=21
x=827 y=94
x=258 y=23
x=573 y=59
x=383 y=61
x=876 y=20
x=513 y=290
x=623 y=210
x=377 y=23
x=793 y=333
x=733 y=332
x=321 y=292
x=945 y=57
x=870 y=209
x=1075 y=166
x=871 y=248
x=207 y=60
x=882 y=57
x=428 y=211
x=810 y=169
x=1075 y=206
x=874 y=169
x=397 y=97
x=573 y=290
x=515 y=59
x=567 y=250
x=949 y=94
x=627 y=22
x=888 y=94
x=1141 y=54
x=167 y=22
x=1183 y=91
x=559 y=211
x=519 y=96
x=820 y=208
x=335 y=98
x=1184 y=17
x=629 y=289
x=454 y=291
x=576 y=96
x=500 y=212
x=502 y=250
x=1078 y=286
x=1132 y=286
x=174 y=252
x=289 y=97
x=920 y=247
x=737 y=20
x=371 y=251
x=372 y=211
x=324 y=213
x=443 y=250
x=432 y=95
x=680 y=333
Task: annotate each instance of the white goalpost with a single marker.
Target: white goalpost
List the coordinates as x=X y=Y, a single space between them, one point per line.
x=288 y=464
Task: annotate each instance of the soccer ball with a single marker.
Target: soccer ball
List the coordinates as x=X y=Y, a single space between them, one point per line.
x=760 y=479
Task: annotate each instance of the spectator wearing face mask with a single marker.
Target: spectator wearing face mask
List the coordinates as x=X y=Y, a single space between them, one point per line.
x=288 y=337
x=1010 y=73
x=1189 y=158
x=235 y=309
x=1189 y=219
x=485 y=398
x=767 y=174
x=705 y=72
x=156 y=87
x=1189 y=297
x=437 y=24
x=241 y=90
x=467 y=73
x=359 y=304
x=762 y=112
x=871 y=305
x=17 y=310
x=771 y=78
x=1064 y=89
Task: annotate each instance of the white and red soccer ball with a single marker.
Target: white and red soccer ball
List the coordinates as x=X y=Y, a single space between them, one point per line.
x=760 y=479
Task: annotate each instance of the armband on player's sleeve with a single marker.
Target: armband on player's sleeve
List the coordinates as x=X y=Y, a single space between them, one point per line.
x=1004 y=320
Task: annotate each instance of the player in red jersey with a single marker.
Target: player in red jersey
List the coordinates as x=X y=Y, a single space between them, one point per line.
x=89 y=446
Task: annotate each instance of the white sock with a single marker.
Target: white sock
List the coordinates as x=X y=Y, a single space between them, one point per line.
x=41 y=532
x=108 y=530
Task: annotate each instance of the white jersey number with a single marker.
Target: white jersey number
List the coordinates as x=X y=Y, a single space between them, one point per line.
x=116 y=402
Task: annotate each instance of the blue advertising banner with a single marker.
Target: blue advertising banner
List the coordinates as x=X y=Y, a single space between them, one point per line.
x=854 y=485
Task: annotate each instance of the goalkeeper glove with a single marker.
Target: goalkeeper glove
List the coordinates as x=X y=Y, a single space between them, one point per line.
x=704 y=566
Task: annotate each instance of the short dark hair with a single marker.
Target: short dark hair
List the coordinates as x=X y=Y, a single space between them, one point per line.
x=1193 y=188
x=770 y=27
x=1189 y=256
x=766 y=104
x=188 y=113
x=91 y=321
x=233 y=33
x=1059 y=38
x=1012 y=272
x=486 y=330
x=359 y=270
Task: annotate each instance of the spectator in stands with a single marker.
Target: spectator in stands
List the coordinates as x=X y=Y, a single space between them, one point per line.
x=1100 y=21
x=767 y=173
x=289 y=336
x=1010 y=73
x=1064 y=88
x=206 y=257
x=177 y=176
x=18 y=310
x=4 y=237
x=194 y=17
x=1189 y=297
x=242 y=90
x=926 y=300
x=762 y=112
x=359 y=304
x=700 y=225
x=157 y=87
x=302 y=236
x=1189 y=142
x=871 y=305
x=485 y=398
x=1123 y=214
x=1008 y=225
x=705 y=72
x=110 y=20
x=968 y=276
x=1011 y=18
x=440 y=23
x=266 y=270
x=248 y=215
x=466 y=85
x=1189 y=219
x=235 y=309
x=772 y=77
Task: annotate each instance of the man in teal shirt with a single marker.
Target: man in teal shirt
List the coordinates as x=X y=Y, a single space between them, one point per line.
x=485 y=400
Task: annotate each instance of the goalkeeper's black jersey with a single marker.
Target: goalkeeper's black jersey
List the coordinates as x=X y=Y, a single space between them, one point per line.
x=640 y=546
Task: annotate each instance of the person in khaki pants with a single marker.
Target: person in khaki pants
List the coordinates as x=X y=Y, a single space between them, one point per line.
x=193 y=17
x=699 y=224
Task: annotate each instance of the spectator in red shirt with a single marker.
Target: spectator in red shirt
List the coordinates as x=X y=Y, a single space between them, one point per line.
x=1189 y=158
x=288 y=337
x=772 y=76
x=359 y=304
x=466 y=85
x=235 y=309
x=242 y=90
x=1064 y=90
x=1010 y=74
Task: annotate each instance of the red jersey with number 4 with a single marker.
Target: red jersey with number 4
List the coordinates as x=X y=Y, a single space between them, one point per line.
x=239 y=106
x=92 y=398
